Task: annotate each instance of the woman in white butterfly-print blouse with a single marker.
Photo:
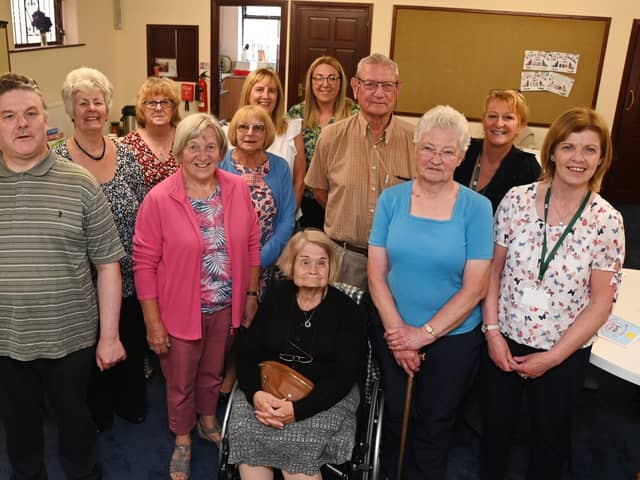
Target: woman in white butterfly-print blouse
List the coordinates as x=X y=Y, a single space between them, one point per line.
x=559 y=249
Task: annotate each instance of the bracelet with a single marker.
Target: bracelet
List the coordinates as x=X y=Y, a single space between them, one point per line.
x=429 y=329
x=252 y=293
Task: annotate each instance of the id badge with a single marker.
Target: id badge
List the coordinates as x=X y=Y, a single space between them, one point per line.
x=534 y=296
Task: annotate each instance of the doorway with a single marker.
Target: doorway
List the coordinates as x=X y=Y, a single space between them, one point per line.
x=342 y=30
x=227 y=19
x=621 y=183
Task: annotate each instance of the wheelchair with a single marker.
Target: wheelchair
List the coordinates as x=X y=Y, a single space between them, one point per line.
x=365 y=459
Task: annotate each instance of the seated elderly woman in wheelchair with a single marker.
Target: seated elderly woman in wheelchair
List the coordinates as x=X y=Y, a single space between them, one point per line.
x=298 y=367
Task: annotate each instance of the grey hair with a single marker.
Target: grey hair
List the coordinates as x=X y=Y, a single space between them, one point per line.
x=378 y=59
x=85 y=79
x=445 y=117
x=194 y=126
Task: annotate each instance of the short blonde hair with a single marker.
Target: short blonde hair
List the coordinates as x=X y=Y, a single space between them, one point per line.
x=161 y=87
x=242 y=115
x=514 y=99
x=291 y=251
x=278 y=115
x=194 y=126
x=85 y=79
x=572 y=121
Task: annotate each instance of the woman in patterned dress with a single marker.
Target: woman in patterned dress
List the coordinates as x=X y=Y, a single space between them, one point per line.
x=325 y=102
x=196 y=258
x=157 y=115
x=559 y=249
x=87 y=96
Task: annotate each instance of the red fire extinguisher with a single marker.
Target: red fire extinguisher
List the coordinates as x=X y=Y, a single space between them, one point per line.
x=202 y=93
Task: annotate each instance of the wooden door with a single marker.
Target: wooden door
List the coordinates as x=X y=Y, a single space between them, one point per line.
x=622 y=183
x=342 y=30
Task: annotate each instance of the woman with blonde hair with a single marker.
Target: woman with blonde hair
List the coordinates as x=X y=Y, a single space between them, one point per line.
x=157 y=114
x=493 y=164
x=325 y=102
x=263 y=89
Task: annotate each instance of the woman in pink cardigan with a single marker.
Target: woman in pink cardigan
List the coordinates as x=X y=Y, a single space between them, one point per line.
x=196 y=262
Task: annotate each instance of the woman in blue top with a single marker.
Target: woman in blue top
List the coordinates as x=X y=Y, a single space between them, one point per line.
x=251 y=132
x=429 y=256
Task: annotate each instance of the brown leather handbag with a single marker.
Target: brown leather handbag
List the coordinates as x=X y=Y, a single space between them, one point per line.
x=284 y=382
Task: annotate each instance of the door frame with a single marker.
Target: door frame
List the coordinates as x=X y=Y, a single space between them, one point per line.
x=295 y=24
x=214 y=73
x=622 y=97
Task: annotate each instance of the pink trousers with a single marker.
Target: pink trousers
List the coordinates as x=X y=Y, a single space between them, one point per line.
x=194 y=369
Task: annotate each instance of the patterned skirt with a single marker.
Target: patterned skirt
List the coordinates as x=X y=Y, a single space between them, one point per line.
x=300 y=447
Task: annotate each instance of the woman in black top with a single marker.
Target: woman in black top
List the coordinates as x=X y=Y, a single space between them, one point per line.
x=312 y=327
x=493 y=165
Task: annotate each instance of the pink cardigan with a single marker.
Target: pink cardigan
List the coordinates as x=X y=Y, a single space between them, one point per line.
x=168 y=247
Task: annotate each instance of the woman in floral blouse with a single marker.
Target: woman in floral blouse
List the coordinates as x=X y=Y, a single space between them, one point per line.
x=325 y=102
x=157 y=116
x=559 y=248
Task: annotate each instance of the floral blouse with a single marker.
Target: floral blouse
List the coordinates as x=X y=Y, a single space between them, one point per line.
x=124 y=192
x=153 y=169
x=596 y=243
x=215 y=280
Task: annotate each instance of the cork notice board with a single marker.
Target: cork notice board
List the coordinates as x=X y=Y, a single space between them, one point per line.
x=454 y=56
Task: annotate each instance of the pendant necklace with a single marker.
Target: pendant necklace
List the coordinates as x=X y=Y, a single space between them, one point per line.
x=94 y=157
x=308 y=316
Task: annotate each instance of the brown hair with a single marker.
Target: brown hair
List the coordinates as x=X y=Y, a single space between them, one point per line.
x=252 y=111
x=343 y=106
x=157 y=86
x=572 y=121
x=296 y=244
x=15 y=81
x=278 y=115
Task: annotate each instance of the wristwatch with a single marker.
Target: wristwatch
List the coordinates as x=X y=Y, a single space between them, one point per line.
x=429 y=329
x=252 y=293
x=487 y=328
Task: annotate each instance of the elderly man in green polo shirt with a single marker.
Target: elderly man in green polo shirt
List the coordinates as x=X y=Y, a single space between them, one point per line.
x=54 y=223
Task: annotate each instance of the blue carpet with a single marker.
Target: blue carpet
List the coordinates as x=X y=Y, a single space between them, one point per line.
x=606 y=441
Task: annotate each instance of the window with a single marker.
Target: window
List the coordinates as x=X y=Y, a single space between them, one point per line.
x=261 y=32
x=24 y=34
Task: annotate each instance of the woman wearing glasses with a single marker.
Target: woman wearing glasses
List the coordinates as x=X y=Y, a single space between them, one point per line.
x=325 y=102
x=87 y=95
x=262 y=88
x=427 y=292
x=312 y=327
x=157 y=115
x=196 y=256
x=493 y=165
x=251 y=132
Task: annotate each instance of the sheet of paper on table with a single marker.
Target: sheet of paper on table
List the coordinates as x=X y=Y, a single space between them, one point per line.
x=620 y=331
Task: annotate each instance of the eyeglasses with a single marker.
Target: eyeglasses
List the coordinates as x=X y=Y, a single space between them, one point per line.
x=153 y=104
x=329 y=78
x=446 y=154
x=258 y=127
x=372 y=85
x=291 y=357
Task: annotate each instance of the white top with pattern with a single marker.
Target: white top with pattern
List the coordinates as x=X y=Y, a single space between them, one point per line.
x=596 y=243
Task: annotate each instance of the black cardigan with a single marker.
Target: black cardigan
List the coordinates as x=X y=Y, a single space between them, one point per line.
x=517 y=168
x=336 y=340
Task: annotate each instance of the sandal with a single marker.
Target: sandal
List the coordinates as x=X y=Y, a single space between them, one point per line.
x=206 y=432
x=180 y=463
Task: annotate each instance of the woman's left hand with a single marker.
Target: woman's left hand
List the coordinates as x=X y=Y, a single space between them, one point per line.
x=250 y=309
x=272 y=411
x=533 y=365
x=406 y=337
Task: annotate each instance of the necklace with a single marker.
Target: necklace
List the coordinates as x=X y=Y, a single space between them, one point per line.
x=476 y=176
x=308 y=316
x=93 y=157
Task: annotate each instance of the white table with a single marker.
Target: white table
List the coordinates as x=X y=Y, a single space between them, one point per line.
x=623 y=362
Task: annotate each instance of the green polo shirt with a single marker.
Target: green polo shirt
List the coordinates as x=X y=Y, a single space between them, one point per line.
x=54 y=222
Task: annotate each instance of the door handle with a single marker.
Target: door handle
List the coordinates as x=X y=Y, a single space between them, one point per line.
x=633 y=100
x=300 y=90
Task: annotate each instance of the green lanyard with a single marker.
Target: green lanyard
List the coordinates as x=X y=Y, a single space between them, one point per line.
x=476 y=175
x=544 y=262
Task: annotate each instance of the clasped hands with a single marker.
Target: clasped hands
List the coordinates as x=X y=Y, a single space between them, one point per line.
x=272 y=411
x=529 y=366
x=405 y=342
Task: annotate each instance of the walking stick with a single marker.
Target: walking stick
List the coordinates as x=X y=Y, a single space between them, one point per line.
x=405 y=421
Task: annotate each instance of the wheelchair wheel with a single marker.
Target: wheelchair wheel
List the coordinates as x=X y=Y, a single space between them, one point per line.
x=374 y=434
x=226 y=471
